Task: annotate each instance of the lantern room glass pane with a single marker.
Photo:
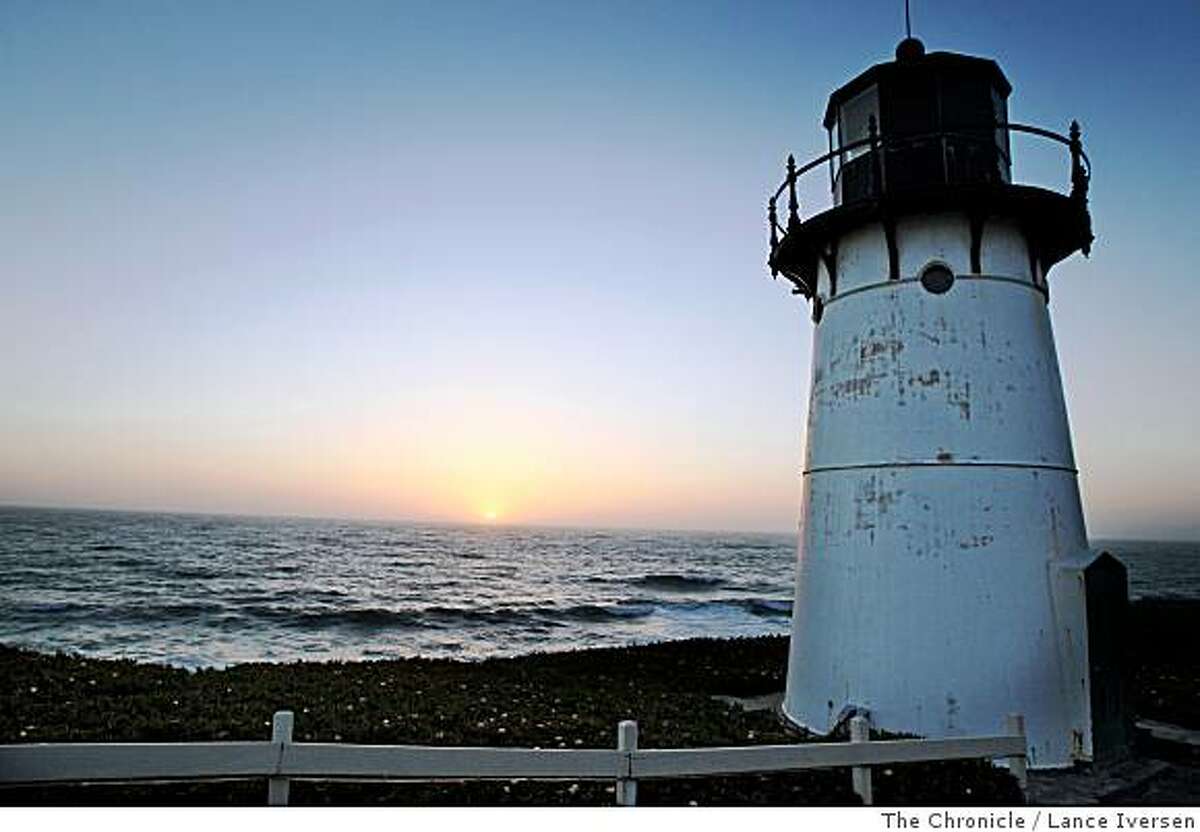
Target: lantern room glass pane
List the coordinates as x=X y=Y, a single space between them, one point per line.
x=854 y=119
x=853 y=124
x=1000 y=109
x=968 y=109
x=910 y=104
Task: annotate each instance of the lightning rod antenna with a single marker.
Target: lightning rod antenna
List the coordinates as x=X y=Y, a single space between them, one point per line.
x=907 y=20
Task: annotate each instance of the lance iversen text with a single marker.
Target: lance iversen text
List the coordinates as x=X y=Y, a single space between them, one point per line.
x=1042 y=819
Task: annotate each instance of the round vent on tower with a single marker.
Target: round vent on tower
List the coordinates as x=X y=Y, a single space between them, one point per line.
x=937 y=278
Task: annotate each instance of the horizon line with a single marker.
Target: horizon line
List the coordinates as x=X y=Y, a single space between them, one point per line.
x=496 y=524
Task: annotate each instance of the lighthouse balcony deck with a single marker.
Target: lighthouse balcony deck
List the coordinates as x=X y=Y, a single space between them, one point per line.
x=882 y=178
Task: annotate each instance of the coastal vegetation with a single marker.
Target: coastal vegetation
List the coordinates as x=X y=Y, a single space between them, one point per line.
x=679 y=692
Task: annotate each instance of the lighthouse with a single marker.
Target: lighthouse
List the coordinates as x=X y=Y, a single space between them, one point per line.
x=943 y=577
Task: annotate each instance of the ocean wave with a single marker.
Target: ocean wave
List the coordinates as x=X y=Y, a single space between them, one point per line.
x=766 y=608
x=372 y=618
x=43 y=610
x=672 y=582
x=760 y=588
x=83 y=612
x=625 y=610
x=329 y=616
x=475 y=615
x=126 y=563
x=445 y=617
x=202 y=573
x=381 y=618
x=243 y=544
x=756 y=546
x=160 y=613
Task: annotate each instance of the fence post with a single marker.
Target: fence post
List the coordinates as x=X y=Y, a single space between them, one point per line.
x=281 y=735
x=860 y=731
x=627 y=742
x=1014 y=724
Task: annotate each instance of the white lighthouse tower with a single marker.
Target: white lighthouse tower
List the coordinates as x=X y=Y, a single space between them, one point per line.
x=944 y=578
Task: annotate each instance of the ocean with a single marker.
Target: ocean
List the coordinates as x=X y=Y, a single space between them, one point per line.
x=210 y=591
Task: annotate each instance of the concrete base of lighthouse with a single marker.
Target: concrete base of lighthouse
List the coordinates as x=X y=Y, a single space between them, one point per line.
x=940 y=581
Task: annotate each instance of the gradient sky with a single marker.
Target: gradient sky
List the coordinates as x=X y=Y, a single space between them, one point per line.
x=435 y=260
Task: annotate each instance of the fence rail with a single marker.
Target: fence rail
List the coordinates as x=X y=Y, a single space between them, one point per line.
x=281 y=760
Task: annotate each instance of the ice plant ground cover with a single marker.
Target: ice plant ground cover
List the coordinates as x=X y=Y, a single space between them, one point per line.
x=562 y=700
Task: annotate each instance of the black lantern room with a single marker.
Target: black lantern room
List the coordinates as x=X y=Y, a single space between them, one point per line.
x=925 y=133
x=933 y=113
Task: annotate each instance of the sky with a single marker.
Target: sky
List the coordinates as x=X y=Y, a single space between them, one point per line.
x=453 y=261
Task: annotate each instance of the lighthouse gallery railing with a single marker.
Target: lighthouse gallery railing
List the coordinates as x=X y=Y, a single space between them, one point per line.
x=877 y=146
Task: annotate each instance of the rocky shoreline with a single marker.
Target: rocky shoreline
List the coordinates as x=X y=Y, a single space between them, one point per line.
x=677 y=691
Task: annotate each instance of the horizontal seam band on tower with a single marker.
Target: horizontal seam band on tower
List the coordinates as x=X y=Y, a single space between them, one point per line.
x=883 y=284
x=932 y=463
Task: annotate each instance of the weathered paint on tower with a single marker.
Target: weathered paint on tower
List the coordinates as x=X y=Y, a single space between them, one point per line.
x=940 y=581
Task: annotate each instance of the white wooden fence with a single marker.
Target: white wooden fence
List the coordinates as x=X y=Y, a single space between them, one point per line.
x=282 y=760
